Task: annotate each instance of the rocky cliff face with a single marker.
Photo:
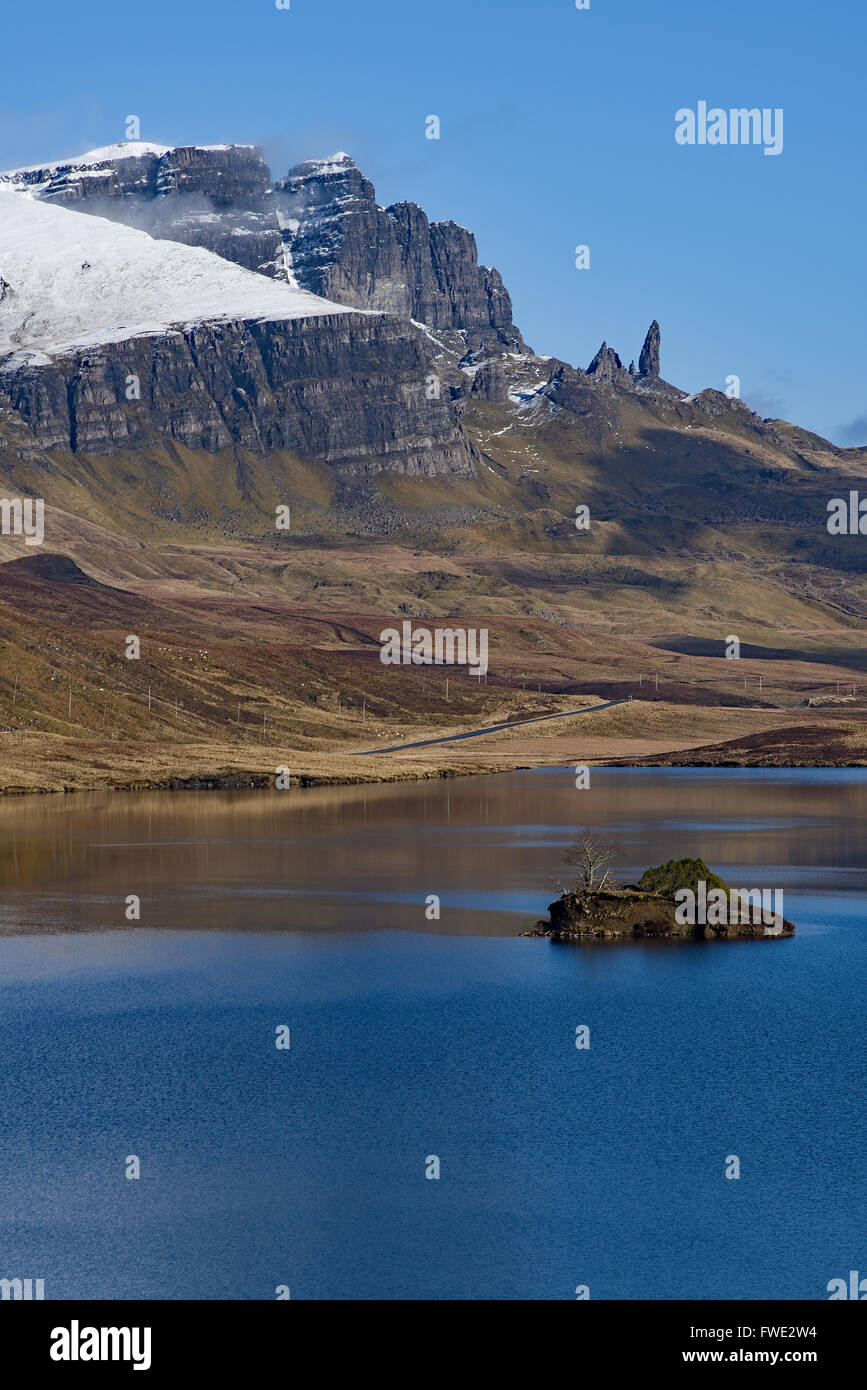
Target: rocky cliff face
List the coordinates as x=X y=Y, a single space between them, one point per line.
x=346 y=388
x=356 y=390
x=339 y=243
x=607 y=367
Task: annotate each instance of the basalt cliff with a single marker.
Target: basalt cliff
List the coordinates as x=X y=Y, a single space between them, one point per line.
x=384 y=389
x=362 y=393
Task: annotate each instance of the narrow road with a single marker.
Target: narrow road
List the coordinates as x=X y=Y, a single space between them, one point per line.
x=489 y=729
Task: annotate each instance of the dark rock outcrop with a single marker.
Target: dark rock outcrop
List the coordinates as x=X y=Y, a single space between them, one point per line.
x=571 y=389
x=631 y=914
x=491 y=382
x=5 y=289
x=607 y=368
x=346 y=388
x=648 y=362
x=340 y=244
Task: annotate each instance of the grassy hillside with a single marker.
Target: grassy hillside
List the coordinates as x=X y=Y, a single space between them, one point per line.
x=705 y=523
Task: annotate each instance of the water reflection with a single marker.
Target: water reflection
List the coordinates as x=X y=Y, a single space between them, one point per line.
x=343 y=858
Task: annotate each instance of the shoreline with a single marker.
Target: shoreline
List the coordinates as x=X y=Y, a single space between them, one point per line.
x=253 y=780
x=629 y=734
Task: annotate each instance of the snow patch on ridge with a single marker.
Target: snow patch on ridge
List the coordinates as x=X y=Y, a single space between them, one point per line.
x=125 y=149
x=331 y=163
x=93 y=160
x=76 y=280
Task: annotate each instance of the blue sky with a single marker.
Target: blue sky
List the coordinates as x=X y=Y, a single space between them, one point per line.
x=557 y=129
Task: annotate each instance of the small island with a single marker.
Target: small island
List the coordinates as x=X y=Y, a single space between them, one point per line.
x=682 y=899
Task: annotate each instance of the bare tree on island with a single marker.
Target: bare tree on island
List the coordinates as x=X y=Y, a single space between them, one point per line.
x=590 y=855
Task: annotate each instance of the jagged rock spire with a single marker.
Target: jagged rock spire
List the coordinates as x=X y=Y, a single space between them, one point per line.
x=606 y=365
x=648 y=362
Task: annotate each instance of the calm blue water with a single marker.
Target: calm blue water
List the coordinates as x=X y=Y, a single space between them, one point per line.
x=559 y=1167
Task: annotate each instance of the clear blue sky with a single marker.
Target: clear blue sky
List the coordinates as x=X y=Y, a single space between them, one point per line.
x=557 y=129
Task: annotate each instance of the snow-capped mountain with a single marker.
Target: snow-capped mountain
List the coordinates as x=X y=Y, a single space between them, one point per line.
x=100 y=163
x=320 y=228
x=151 y=292
x=75 y=281
x=111 y=339
x=216 y=196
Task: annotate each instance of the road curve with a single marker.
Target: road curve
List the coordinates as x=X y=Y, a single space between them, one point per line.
x=490 y=729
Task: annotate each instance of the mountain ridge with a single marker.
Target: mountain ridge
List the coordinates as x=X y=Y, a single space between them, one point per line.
x=326 y=235
x=433 y=472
